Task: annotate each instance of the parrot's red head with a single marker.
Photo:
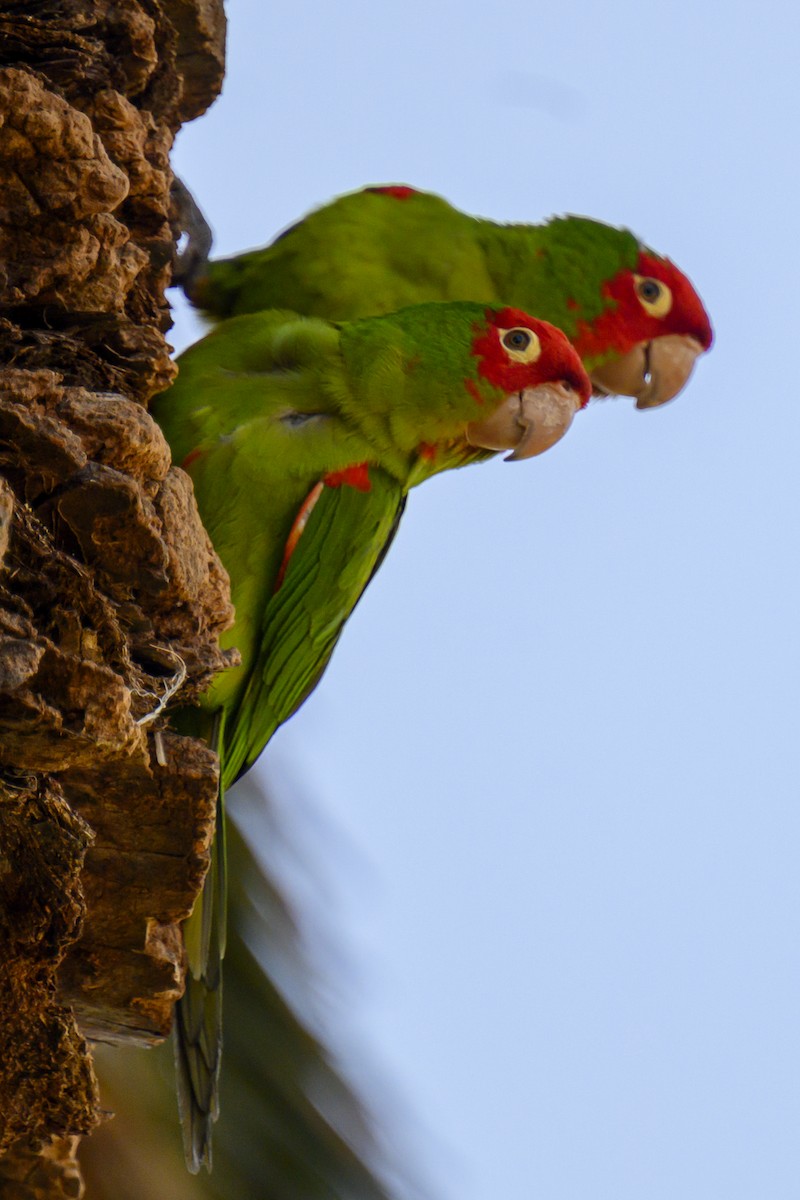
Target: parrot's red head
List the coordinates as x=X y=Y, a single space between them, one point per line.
x=646 y=341
x=540 y=372
x=515 y=351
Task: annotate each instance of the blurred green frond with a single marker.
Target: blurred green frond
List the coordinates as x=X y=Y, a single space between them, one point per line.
x=291 y=1128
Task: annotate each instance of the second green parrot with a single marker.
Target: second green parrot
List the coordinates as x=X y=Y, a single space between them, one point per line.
x=633 y=316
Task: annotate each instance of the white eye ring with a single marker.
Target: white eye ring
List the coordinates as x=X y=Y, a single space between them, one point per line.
x=659 y=300
x=520 y=344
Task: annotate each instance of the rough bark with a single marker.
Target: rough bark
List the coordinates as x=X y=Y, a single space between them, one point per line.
x=111 y=596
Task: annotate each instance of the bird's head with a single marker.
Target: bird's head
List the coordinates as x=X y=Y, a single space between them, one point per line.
x=530 y=381
x=649 y=335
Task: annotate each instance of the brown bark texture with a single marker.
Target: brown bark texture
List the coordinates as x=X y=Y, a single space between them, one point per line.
x=111 y=596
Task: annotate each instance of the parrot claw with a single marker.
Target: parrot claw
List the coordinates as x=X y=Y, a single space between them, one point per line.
x=191 y=262
x=654 y=372
x=528 y=422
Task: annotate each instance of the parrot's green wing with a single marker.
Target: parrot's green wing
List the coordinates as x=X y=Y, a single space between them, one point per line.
x=346 y=537
x=634 y=317
x=356 y=257
x=344 y=540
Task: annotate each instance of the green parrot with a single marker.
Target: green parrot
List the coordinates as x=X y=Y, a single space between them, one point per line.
x=303 y=439
x=632 y=315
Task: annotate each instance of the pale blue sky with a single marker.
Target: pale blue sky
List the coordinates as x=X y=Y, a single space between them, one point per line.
x=559 y=735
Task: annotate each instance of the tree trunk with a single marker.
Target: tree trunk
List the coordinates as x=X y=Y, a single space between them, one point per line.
x=111 y=596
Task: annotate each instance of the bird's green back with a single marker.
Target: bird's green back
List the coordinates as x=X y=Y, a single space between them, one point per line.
x=378 y=250
x=381 y=256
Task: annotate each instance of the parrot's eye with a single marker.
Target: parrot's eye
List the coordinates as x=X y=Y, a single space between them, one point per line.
x=295 y=419
x=517 y=339
x=654 y=296
x=521 y=344
x=649 y=290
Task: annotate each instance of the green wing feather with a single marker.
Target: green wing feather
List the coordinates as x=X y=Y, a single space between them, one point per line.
x=344 y=540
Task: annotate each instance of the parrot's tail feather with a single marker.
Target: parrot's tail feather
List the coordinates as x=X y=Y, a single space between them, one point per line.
x=198 y=1048
x=198 y=1013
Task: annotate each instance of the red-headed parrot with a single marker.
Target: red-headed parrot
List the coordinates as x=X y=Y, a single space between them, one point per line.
x=632 y=315
x=303 y=439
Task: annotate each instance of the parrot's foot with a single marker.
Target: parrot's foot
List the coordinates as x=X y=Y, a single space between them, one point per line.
x=190 y=261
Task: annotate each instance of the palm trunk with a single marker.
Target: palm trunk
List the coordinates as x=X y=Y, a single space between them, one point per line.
x=111 y=596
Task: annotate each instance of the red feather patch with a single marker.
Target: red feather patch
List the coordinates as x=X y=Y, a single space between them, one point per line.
x=558 y=360
x=625 y=322
x=295 y=533
x=191 y=457
x=396 y=190
x=356 y=477
x=473 y=388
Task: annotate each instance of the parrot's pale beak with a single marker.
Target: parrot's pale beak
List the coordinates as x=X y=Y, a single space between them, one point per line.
x=654 y=372
x=527 y=422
